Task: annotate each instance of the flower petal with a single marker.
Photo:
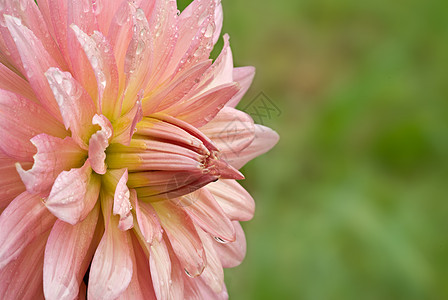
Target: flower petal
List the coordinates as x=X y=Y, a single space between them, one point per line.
x=74 y=194
x=12 y=82
x=99 y=142
x=234 y=200
x=10 y=181
x=244 y=76
x=20 y=120
x=205 y=211
x=21 y=222
x=265 y=139
x=111 y=269
x=147 y=219
x=182 y=235
x=54 y=155
x=67 y=257
x=231 y=130
x=76 y=107
x=122 y=204
x=35 y=60
x=232 y=254
x=22 y=278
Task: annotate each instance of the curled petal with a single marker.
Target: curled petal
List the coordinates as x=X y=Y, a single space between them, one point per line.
x=112 y=268
x=99 y=142
x=125 y=126
x=74 y=194
x=147 y=219
x=21 y=222
x=65 y=267
x=54 y=155
x=122 y=203
x=10 y=181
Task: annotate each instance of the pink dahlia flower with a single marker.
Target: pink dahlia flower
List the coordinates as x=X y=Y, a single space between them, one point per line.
x=119 y=150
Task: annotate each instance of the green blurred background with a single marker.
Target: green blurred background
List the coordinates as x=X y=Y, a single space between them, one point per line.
x=352 y=203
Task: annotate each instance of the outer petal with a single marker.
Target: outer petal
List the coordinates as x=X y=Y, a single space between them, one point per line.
x=99 y=142
x=122 y=203
x=182 y=235
x=36 y=61
x=218 y=22
x=205 y=211
x=76 y=107
x=74 y=194
x=160 y=266
x=111 y=269
x=265 y=139
x=12 y=82
x=67 y=256
x=232 y=254
x=20 y=120
x=22 y=278
x=11 y=185
x=231 y=130
x=21 y=222
x=234 y=200
x=244 y=76
x=54 y=155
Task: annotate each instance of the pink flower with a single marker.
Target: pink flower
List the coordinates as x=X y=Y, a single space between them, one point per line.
x=116 y=150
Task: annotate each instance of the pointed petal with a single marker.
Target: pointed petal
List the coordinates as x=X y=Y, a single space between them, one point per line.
x=54 y=155
x=160 y=266
x=111 y=269
x=244 y=76
x=182 y=235
x=67 y=257
x=199 y=110
x=122 y=204
x=76 y=107
x=12 y=82
x=35 y=60
x=20 y=120
x=22 y=278
x=99 y=142
x=10 y=181
x=265 y=139
x=205 y=211
x=234 y=200
x=232 y=254
x=21 y=222
x=231 y=130
x=125 y=126
x=218 y=22
x=74 y=194
x=147 y=219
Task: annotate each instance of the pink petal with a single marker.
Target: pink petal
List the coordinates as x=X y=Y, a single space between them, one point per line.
x=182 y=235
x=201 y=109
x=67 y=257
x=125 y=126
x=244 y=76
x=147 y=219
x=22 y=278
x=99 y=142
x=76 y=107
x=54 y=155
x=213 y=273
x=21 y=222
x=265 y=139
x=232 y=254
x=111 y=269
x=122 y=204
x=218 y=22
x=19 y=125
x=35 y=60
x=74 y=194
x=12 y=82
x=231 y=130
x=160 y=267
x=10 y=181
x=234 y=200
x=205 y=212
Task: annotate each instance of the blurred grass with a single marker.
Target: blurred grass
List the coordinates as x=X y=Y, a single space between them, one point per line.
x=352 y=203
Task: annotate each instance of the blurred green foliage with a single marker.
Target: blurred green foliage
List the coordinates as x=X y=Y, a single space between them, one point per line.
x=352 y=203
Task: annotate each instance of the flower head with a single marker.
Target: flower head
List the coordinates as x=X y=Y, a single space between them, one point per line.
x=115 y=151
